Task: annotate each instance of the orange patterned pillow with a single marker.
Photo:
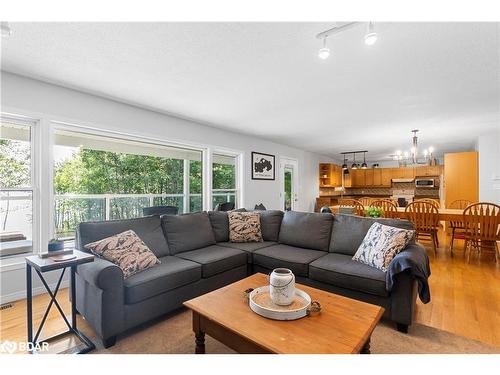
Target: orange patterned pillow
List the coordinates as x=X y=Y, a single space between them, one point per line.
x=126 y=250
x=244 y=227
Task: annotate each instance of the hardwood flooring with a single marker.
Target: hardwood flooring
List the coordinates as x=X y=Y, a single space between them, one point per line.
x=465 y=300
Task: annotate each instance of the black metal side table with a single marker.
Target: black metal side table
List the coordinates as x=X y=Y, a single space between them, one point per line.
x=42 y=265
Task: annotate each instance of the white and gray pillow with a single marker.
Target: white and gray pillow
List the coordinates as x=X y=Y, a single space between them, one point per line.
x=381 y=244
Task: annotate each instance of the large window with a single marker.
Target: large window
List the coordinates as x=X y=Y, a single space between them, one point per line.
x=16 y=186
x=224 y=180
x=106 y=178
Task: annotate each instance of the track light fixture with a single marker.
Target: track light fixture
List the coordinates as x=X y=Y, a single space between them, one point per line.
x=324 y=52
x=344 y=166
x=371 y=36
x=354 y=164
x=364 y=165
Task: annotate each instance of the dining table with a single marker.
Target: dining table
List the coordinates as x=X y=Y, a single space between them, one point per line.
x=445 y=214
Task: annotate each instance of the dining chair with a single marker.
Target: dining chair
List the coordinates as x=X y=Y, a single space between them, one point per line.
x=325 y=210
x=435 y=204
x=365 y=201
x=457 y=226
x=482 y=224
x=357 y=208
x=429 y=200
x=424 y=216
x=388 y=206
x=160 y=210
x=226 y=206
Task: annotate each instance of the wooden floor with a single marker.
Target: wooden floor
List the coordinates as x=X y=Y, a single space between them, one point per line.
x=465 y=301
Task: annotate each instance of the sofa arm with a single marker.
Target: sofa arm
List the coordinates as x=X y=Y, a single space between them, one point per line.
x=100 y=297
x=412 y=259
x=102 y=274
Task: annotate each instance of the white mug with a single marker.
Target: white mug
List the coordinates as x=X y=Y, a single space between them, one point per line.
x=282 y=286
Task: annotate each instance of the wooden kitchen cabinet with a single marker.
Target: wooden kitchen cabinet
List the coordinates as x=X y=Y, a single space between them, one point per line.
x=386 y=177
x=403 y=172
x=330 y=175
x=369 y=177
x=377 y=177
x=428 y=170
x=461 y=177
x=358 y=177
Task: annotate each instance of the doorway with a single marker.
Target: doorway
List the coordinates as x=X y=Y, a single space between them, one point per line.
x=289 y=184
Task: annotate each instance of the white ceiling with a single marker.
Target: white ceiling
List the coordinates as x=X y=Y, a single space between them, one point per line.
x=265 y=79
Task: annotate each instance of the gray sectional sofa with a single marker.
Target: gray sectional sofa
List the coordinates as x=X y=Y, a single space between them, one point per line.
x=197 y=257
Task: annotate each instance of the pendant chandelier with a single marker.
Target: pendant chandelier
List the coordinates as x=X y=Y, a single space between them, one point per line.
x=410 y=157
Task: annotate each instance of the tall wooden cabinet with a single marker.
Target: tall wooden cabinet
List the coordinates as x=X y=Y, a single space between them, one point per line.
x=461 y=177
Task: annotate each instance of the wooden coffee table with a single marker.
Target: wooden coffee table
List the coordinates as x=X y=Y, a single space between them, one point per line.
x=343 y=326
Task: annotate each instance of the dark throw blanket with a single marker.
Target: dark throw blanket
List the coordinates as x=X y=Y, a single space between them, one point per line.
x=414 y=259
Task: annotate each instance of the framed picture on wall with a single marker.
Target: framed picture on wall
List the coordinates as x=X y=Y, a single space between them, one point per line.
x=263 y=166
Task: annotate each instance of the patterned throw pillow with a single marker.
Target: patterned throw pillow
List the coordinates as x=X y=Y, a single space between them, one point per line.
x=244 y=227
x=381 y=244
x=126 y=250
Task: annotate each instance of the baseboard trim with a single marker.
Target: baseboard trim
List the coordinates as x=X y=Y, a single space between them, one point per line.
x=16 y=296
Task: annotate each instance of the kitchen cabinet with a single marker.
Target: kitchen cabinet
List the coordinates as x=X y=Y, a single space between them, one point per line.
x=386 y=176
x=428 y=170
x=403 y=172
x=358 y=177
x=461 y=177
x=369 y=177
x=330 y=175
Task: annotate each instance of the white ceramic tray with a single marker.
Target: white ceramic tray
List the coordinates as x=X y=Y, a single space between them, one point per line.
x=260 y=302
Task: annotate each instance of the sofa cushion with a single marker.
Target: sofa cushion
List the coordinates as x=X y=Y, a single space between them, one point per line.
x=187 y=232
x=340 y=270
x=126 y=250
x=247 y=247
x=284 y=256
x=381 y=244
x=171 y=273
x=270 y=223
x=244 y=227
x=215 y=259
x=220 y=225
x=349 y=231
x=307 y=230
x=147 y=228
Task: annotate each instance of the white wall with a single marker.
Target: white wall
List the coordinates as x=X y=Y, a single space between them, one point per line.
x=26 y=96
x=488 y=146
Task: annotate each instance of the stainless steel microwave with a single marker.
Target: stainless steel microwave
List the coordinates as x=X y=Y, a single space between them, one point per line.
x=425 y=182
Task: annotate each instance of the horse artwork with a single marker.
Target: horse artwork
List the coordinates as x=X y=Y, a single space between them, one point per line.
x=263 y=166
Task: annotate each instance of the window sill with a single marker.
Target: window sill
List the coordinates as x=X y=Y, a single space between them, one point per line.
x=13 y=263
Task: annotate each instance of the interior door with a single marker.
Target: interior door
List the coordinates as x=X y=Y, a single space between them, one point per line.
x=289 y=184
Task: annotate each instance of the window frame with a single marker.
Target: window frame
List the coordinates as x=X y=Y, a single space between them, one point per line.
x=71 y=127
x=239 y=183
x=35 y=151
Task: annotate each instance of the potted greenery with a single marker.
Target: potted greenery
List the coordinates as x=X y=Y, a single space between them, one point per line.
x=374 y=212
x=56 y=245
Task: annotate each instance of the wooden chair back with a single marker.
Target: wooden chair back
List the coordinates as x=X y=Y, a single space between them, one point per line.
x=388 y=206
x=459 y=204
x=365 y=201
x=482 y=222
x=424 y=215
x=434 y=202
x=358 y=208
